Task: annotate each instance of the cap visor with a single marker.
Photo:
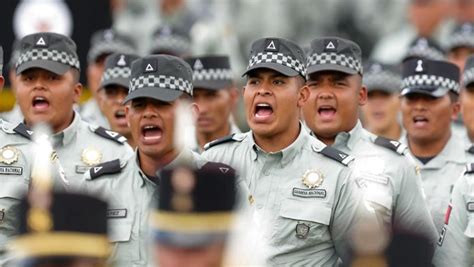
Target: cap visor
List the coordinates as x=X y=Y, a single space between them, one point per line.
x=162 y=94
x=52 y=66
x=330 y=67
x=116 y=81
x=273 y=66
x=439 y=92
x=212 y=85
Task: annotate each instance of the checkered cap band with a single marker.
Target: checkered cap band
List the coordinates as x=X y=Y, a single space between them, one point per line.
x=112 y=47
x=50 y=55
x=468 y=77
x=336 y=59
x=172 y=43
x=430 y=80
x=278 y=58
x=116 y=72
x=212 y=74
x=460 y=40
x=161 y=81
x=383 y=79
x=425 y=52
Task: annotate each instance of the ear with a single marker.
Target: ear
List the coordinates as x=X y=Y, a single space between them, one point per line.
x=127 y=114
x=194 y=108
x=77 y=92
x=234 y=97
x=2 y=82
x=303 y=95
x=363 y=95
x=455 y=108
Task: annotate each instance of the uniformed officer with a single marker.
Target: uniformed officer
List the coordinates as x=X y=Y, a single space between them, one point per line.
x=193 y=218
x=216 y=95
x=429 y=103
x=467 y=106
x=114 y=88
x=171 y=40
x=70 y=231
x=423 y=47
x=380 y=115
x=460 y=44
x=48 y=86
x=14 y=115
x=391 y=184
x=159 y=85
x=297 y=186
x=103 y=43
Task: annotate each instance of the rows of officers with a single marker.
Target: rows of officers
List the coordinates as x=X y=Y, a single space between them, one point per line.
x=128 y=182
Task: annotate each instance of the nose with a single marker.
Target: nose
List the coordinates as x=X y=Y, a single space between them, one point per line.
x=150 y=111
x=264 y=89
x=325 y=95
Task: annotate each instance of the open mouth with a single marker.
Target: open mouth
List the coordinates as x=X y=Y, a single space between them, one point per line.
x=327 y=112
x=263 y=110
x=420 y=120
x=40 y=103
x=119 y=114
x=152 y=133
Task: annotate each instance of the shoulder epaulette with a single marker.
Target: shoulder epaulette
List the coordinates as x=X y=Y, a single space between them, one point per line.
x=469 y=168
x=393 y=145
x=230 y=138
x=471 y=149
x=108 y=134
x=109 y=167
x=217 y=166
x=336 y=155
x=23 y=130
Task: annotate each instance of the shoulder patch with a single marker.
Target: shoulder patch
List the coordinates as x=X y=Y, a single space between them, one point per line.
x=109 y=134
x=23 y=130
x=230 y=138
x=219 y=167
x=469 y=168
x=337 y=155
x=393 y=145
x=109 y=167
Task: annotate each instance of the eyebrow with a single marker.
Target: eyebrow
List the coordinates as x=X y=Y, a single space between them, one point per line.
x=273 y=75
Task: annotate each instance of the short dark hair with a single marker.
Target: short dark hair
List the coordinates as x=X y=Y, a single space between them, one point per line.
x=454 y=97
x=75 y=75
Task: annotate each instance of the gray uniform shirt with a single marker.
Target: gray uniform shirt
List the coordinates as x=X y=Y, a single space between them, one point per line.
x=390 y=180
x=129 y=193
x=195 y=146
x=91 y=113
x=439 y=175
x=306 y=226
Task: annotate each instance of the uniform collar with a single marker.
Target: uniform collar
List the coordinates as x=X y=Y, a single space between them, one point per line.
x=349 y=139
x=67 y=135
x=287 y=154
x=450 y=153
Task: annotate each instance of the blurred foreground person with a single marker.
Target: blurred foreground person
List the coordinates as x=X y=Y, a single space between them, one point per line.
x=381 y=113
x=114 y=89
x=216 y=96
x=194 y=216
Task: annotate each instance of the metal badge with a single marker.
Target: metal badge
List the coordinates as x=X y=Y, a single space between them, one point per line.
x=9 y=155
x=91 y=156
x=302 y=230
x=313 y=178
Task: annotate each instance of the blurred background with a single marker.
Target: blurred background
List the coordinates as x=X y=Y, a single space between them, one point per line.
x=383 y=28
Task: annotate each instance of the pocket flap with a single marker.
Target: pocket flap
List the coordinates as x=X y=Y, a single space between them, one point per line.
x=120 y=230
x=310 y=211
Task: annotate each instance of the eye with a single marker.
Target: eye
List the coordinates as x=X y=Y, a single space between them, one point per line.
x=278 y=82
x=253 y=82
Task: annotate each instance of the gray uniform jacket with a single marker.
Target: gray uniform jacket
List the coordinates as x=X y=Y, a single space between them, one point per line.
x=129 y=193
x=304 y=194
x=91 y=113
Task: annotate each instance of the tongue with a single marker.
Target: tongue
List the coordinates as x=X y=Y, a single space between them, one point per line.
x=327 y=113
x=41 y=104
x=152 y=133
x=264 y=112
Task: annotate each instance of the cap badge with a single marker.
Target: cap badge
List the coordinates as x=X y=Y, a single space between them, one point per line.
x=41 y=42
x=122 y=61
x=91 y=156
x=271 y=45
x=330 y=45
x=149 y=67
x=198 y=64
x=419 y=66
x=313 y=178
x=9 y=155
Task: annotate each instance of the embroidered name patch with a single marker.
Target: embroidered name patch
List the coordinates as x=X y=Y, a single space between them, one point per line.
x=82 y=169
x=470 y=206
x=309 y=193
x=11 y=170
x=116 y=213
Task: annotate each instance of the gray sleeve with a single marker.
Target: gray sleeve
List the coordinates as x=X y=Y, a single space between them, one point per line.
x=410 y=209
x=453 y=245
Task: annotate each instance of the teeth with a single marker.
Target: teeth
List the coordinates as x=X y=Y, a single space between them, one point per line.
x=263 y=105
x=39 y=98
x=149 y=127
x=121 y=113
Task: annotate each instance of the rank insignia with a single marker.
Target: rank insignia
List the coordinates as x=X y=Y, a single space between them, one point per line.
x=302 y=230
x=313 y=178
x=9 y=155
x=91 y=156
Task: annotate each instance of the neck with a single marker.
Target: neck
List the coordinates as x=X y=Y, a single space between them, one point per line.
x=150 y=164
x=326 y=140
x=393 y=132
x=278 y=142
x=427 y=148
x=204 y=138
x=131 y=142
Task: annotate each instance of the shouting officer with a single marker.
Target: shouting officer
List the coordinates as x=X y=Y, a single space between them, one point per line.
x=296 y=184
x=47 y=88
x=391 y=184
x=216 y=96
x=429 y=103
x=114 y=88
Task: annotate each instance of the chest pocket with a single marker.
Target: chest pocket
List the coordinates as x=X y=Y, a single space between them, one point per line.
x=302 y=223
x=125 y=243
